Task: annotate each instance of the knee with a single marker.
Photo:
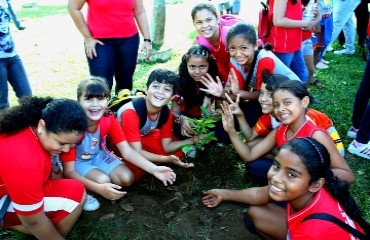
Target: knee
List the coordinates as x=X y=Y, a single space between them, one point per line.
x=127 y=179
x=102 y=178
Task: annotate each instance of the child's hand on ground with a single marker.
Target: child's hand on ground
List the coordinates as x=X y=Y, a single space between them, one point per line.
x=165 y=174
x=227 y=118
x=177 y=161
x=111 y=191
x=212 y=87
x=212 y=198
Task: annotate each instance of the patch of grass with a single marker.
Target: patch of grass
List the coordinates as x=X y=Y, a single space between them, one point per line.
x=39 y=11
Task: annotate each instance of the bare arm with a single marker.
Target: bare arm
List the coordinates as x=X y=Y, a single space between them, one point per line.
x=142 y=21
x=40 y=226
x=74 y=9
x=256 y=196
x=279 y=19
x=338 y=165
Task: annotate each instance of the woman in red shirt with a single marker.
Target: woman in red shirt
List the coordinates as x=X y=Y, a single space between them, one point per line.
x=112 y=38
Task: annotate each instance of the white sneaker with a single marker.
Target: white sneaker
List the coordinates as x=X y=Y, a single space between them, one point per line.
x=344 y=52
x=91 y=203
x=324 y=61
x=359 y=149
x=329 y=48
x=352 y=132
x=321 y=65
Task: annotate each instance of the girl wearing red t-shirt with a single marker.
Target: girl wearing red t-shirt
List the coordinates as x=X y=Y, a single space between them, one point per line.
x=30 y=135
x=212 y=35
x=290 y=101
x=91 y=163
x=112 y=38
x=302 y=176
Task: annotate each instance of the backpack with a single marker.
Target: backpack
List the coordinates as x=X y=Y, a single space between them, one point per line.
x=225 y=21
x=137 y=97
x=264 y=23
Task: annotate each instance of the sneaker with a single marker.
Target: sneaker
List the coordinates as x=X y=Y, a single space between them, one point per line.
x=352 y=132
x=321 y=65
x=360 y=149
x=91 y=203
x=325 y=62
x=344 y=52
x=329 y=48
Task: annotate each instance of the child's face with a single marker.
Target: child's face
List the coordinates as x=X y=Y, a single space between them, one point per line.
x=241 y=50
x=289 y=179
x=159 y=94
x=265 y=100
x=197 y=67
x=206 y=24
x=94 y=107
x=287 y=107
x=57 y=143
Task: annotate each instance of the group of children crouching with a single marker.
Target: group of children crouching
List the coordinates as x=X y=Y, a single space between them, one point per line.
x=307 y=172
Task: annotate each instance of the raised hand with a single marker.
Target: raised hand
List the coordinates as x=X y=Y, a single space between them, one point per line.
x=227 y=117
x=165 y=174
x=212 y=198
x=234 y=84
x=212 y=87
x=234 y=105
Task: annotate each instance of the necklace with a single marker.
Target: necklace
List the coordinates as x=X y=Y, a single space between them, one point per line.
x=295 y=132
x=33 y=132
x=218 y=42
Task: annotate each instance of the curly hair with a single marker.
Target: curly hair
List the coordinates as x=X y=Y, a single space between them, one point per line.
x=316 y=158
x=60 y=115
x=188 y=87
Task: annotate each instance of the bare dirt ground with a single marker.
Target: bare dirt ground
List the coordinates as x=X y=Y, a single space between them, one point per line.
x=52 y=51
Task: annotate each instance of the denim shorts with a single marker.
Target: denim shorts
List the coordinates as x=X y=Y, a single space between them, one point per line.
x=102 y=161
x=307 y=49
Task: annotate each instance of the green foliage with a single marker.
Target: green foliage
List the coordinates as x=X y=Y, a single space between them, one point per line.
x=42 y=11
x=203 y=126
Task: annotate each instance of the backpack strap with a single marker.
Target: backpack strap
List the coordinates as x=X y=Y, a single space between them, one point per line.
x=251 y=70
x=337 y=221
x=140 y=107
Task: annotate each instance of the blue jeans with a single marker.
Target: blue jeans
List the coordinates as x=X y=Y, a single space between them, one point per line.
x=12 y=71
x=295 y=62
x=118 y=58
x=361 y=107
x=342 y=20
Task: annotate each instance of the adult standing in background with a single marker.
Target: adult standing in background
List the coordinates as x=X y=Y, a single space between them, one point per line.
x=11 y=66
x=234 y=6
x=112 y=38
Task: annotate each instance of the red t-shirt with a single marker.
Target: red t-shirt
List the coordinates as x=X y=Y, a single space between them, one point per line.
x=24 y=171
x=111 y=19
x=109 y=126
x=287 y=40
x=306 y=130
x=317 y=229
x=131 y=126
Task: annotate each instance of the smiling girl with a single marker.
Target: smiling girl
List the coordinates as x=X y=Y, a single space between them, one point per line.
x=187 y=102
x=290 y=101
x=301 y=175
x=98 y=169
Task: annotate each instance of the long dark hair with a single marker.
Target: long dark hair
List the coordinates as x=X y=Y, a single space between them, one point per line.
x=189 y=89
x=60 y=115
x=316 y=158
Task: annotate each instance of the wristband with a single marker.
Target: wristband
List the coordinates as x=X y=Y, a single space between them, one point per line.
x=147 y=40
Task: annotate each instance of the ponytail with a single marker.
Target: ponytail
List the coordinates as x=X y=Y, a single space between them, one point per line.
x=27 y=113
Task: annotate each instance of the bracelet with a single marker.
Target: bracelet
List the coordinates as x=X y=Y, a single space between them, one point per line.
x=147 y=40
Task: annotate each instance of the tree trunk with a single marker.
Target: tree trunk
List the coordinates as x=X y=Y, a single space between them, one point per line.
x=158 y=23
